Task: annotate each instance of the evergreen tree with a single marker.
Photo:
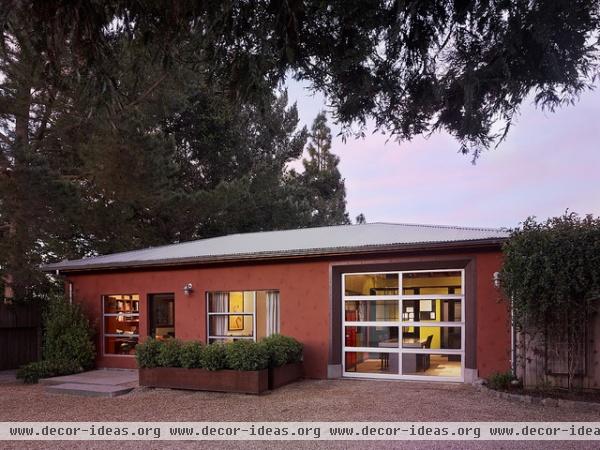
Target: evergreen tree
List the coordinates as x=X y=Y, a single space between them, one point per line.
x=322 y=178
x=410 y=66
x=106 y=142
x=236 y=161
x=31 y=191
x=178 y=159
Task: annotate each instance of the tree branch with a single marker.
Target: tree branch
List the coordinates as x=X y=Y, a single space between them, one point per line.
x=147 y=92
x=44 y=121
x=5 y=139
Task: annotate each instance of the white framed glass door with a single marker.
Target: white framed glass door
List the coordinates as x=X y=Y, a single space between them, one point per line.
x=404 y=325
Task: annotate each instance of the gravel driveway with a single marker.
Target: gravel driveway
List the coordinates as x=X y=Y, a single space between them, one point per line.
x=312 y=400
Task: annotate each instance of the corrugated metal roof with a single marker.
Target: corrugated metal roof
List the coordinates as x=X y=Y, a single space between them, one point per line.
x=304 y=241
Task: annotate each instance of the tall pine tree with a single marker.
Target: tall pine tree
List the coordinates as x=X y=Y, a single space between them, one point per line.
x=322 y=179
x=177 y=159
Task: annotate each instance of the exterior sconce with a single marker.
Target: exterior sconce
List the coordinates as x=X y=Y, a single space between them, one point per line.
x=496 y=279
x=188 y=289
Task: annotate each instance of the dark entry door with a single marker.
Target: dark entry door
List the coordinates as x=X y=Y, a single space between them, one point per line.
x=162 y=316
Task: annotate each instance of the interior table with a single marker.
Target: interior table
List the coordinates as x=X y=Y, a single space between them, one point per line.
x=409 y=360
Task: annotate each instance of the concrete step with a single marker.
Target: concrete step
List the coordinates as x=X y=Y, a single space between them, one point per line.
x=88 y=390
x=102 y=376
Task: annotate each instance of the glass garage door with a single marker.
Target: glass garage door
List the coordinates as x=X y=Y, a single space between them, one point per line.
x=404 y=325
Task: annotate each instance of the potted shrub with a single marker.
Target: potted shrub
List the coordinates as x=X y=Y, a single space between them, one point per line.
x=285 y=360
x=237 y=367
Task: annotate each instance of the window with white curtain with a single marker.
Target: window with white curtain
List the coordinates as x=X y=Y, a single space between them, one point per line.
x=238 y=315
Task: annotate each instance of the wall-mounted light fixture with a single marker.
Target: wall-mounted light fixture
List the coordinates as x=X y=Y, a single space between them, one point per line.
x=496 y=279
x=188 y=289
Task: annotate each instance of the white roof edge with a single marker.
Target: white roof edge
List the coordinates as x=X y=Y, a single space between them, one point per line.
x=282 y=243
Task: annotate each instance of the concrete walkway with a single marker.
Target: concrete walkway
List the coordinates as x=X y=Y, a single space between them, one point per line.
x=95 y=383
x=8 y=376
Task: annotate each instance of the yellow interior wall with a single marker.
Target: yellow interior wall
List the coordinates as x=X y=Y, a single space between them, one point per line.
x=435 y=331
x=248 y=301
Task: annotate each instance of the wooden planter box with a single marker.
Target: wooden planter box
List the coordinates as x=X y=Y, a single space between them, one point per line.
x=244 y=382
x=288 y=373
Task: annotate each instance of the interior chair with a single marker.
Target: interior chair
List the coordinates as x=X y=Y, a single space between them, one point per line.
x=423 y=361
x=427 y=342
x=385 y=360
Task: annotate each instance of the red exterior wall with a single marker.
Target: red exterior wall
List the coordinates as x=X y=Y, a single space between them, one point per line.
x=493 y=320
x=304 y=304
x=304 y=307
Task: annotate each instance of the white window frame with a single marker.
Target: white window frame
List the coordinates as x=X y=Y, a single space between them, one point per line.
x=401 y=323
x=105 y=334
x=208 y=314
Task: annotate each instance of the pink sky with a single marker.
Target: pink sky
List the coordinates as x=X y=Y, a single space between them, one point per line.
x=549 y=162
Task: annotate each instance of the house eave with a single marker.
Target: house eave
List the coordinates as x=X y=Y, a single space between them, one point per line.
x=65 y=267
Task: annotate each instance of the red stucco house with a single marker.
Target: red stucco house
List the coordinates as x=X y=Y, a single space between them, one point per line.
x=391 y=301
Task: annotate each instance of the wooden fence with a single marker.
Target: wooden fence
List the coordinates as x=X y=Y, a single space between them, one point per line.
x=546 y=364
x=20 y=335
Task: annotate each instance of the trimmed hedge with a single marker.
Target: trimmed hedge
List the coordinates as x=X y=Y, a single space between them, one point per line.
x=32 y=372
x=282 y=350
x=247 y=355
x=191 y=355
x=147 y=353
x=169 y=353
x=214 y=357
x=244 y=355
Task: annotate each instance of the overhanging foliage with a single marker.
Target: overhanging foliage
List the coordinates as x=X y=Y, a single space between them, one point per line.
x=551 y=274
x=552 y=269
x=410 y=66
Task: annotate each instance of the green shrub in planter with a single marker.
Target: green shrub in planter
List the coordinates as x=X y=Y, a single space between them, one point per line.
x=191 y=355
x=282 y=350
x=169 y=353
x=147 y=353
x=247 y=355
x=32 y=372
x=213 y=357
